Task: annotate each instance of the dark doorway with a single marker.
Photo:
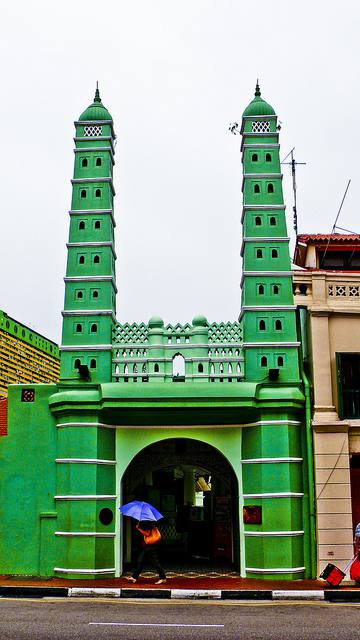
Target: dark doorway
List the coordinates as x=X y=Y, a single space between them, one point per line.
x=348 y=365
x=355 y=487
x=192 y=484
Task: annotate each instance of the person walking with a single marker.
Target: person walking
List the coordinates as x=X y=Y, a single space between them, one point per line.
x=150 y=543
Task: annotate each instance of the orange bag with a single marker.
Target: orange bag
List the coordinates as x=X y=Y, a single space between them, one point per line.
x=152 y=536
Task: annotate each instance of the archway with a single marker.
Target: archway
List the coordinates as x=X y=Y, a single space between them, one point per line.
x=196 y=489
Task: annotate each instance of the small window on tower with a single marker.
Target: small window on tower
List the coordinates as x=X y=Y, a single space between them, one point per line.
x=274 y=253
x=92 y=363
x=97 y=193
x=259 y=253
x=254 y=157
x=94 y=328
x=273 y=221
x=156 y=368
x=200 y=368
x=81 y=225
x=268 y=157
x=92 y=131
x=262 y=325
x=256 y=188
x=276 y=289
x=278 y=325
x=260 y=127
x=96 y=259
x=77 y=363
x=81 y=259
x=270 y=188
x=83 y=193
x=263 y=361
x=95 y=293
x=97 y=224
x=258 y=221
x=79 y=295
x=280 y=361
x=261 y=290
x=84 y=162
x=98 y=162
x=78 y=328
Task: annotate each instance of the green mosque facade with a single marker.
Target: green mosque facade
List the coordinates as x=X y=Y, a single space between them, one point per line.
x=156 y=411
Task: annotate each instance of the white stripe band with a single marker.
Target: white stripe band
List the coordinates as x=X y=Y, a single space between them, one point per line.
x=84 y=461
x=270 y=460
x=289 y=570
x=88 y=497
x=84 y=571
x=261 y=534
x=286 y=494
x=94 y=534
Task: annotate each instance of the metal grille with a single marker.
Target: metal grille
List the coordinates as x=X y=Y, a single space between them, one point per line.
x=93 y=131
x=260 y=127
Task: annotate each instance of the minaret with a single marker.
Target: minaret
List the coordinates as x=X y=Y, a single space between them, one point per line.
x=89 y=311
x=268 y=311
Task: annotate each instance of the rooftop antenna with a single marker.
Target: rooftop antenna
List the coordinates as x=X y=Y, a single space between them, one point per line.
x=334 y=225
x=292 y=164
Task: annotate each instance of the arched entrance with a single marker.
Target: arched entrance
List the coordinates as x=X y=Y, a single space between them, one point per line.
x=196 y=489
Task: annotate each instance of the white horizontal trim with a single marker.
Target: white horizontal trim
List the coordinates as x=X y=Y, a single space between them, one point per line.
x=259 y=423
x=86 y=347
x=274 y=307
x=85 y=424
x=286 y=494
x=88 y=312
x=263 y=145
x=263 y=207
x=91 y=180
x=263 y=175
x=271 y=116
x=80 y=123
x=283 y=345
x=178 y=346
x=93 y=212
x=84 y=571
x=286 y=534
x=93 y=244
x=89 y=278
x=93 y=534
x=267 y=571
x=88 y=497
x=266 y=238
x=270 y=460
x=84 y=461
x=268 y=273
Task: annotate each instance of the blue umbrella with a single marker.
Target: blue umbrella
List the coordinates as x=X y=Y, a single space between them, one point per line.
x=140 y=511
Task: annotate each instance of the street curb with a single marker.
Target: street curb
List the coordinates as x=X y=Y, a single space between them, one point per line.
x=330 y=595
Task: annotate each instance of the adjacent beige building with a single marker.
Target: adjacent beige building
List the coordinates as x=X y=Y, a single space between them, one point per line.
x=327 y=286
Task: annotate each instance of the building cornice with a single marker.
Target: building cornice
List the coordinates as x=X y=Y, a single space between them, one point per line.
x=92 y=279
x=262 y=145
x=85 y=181
x=93 y=212
x=270 y=460
x=93 y=138
x=261 y=207
x=88 y=312
x=86 y=497
x=86 y=347
x=265 y=345
x=279 y=571
x=264 y=274
x=85 y=461
x=260 y=239
x=93 y=244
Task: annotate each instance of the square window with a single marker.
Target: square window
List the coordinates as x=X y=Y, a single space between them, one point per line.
x=252 y=514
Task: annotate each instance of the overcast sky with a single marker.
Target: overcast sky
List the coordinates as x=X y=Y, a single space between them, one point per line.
x=173 y=75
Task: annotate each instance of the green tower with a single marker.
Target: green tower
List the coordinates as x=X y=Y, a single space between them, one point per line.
x=268 y=312
x=90 y=288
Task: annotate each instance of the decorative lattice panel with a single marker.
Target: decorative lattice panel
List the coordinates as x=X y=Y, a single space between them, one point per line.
x=130 y=333
x=93 y=131
x=260 y=127
x=344 y=291
x=225 y=332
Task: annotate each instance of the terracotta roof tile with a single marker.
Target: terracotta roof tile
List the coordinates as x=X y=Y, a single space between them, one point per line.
x=309 y=238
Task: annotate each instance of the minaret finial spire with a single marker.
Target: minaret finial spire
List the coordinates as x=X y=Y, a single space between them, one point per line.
x=257 y=89
x=97 y=93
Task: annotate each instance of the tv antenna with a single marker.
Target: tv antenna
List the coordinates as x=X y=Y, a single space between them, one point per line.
x=335 y=225
x=293 y=164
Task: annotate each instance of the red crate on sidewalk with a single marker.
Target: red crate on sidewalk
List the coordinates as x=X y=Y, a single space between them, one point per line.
x=332 y=574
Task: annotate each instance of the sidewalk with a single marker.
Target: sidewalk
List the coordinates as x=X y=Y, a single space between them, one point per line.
x=194 y=588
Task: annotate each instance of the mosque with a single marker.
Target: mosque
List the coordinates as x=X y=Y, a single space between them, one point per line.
x=205 y=420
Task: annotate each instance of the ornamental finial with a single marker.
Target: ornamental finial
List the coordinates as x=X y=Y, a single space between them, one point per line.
x=257 y=89
x=97 y=93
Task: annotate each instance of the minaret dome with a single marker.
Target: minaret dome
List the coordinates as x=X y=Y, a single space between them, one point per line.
x=96 y=111
x=258 y=106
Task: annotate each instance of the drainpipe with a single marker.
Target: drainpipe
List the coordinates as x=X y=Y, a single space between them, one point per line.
x=301 y=311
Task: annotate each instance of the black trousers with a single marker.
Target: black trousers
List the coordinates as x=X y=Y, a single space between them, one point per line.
x=148 y=554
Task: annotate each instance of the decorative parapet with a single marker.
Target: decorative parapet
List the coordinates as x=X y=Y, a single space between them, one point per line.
x=333 y=291
x=200 y=352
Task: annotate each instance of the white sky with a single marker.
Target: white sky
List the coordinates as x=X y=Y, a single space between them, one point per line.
x=173 y=75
